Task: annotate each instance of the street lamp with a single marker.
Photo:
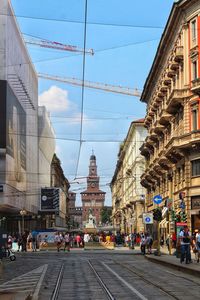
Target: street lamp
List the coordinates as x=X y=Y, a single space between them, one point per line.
x=23 y=212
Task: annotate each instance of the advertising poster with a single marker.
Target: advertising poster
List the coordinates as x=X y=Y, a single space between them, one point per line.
x=50 y=198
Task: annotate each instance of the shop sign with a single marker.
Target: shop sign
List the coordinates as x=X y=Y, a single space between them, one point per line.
x=195 y=202
x=148 y=218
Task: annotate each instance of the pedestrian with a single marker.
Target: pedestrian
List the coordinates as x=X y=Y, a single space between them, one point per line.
x=34 y=242
x=78 y=240
x=9 y=242
x=19 y=243
x=58 y=240
x=67 y=241
x=143 y=244
x=149 y=243
x=29 y=240
x=174 y=239
x=162 y=241
x=24 y=242
x=185 y=239
x=198 y=245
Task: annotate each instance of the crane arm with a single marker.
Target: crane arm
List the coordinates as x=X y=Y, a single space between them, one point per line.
x=58 y=46
x=93 y=85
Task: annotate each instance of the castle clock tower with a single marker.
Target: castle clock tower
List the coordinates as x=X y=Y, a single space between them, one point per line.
x=92 y=198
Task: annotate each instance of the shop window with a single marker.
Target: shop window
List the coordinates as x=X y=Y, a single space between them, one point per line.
x=196 y=167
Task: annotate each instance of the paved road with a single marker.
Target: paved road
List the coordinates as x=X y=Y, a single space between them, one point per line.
x=94 y=275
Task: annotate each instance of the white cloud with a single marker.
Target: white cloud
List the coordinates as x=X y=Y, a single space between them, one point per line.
x=55 y=99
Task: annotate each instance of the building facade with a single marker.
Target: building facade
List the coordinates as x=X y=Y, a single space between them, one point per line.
x=92 y=198
x=59 y=218
x=172 y=94
x=18 y=123
x=127 y=192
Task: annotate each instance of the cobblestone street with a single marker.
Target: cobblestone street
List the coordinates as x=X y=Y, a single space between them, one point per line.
x=93 y=275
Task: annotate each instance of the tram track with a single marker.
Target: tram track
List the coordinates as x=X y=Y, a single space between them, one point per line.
x=108 y=279
x=168 y=293
x=101 y=282
x=58 y=283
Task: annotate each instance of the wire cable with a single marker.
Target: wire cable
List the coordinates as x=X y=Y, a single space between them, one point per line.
x=83 y=22
x=83 y=88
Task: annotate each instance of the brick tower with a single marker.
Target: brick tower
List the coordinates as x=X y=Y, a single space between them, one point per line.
x=92 y=197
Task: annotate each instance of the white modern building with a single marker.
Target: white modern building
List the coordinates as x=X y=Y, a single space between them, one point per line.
x=25 y=159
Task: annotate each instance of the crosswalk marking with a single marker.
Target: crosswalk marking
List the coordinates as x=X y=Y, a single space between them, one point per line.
x=28 y=282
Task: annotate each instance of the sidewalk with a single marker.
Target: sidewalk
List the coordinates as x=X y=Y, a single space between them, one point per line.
x=174 y=262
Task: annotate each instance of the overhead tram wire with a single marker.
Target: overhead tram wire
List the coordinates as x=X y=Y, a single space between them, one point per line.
x=83 y=89
x=83 y=22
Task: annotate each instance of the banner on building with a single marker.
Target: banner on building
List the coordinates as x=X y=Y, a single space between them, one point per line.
x=50 y=198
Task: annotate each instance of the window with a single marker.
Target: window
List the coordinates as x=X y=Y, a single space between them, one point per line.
x=195 y=116
x=196 y=167
x=194 y=31
x=194 y=70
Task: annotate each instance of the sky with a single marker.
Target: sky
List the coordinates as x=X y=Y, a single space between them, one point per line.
x=124 y=36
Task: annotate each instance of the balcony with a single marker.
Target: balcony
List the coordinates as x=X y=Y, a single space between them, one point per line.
x=171 y=73
x=175 y=99
x=174 y=66
x=196 y=86
x=158 y=127
x=178 y=56
x=163 y=89
x=144 y=150
x=165 y=117
x=167 y=80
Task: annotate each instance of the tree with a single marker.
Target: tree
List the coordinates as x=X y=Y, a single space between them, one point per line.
x=106 y=213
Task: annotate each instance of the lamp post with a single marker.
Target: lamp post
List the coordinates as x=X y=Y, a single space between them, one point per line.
x=23 y=212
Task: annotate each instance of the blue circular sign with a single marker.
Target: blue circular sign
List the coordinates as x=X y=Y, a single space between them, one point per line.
x=147 y=219
x=157 y=199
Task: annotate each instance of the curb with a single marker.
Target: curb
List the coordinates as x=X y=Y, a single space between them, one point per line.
x=181 y=267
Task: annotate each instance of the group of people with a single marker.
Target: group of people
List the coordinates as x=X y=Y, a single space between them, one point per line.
x=186 y=241
x=24 y=241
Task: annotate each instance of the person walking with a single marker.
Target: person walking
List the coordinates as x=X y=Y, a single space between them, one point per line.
x=34 y=242
x=143 y=244
x=58 y=240
x=67 y=241
x=198 y=245
x=185 y=239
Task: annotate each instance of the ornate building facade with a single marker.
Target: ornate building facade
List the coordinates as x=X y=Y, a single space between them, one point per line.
x=172 y=94
x=127 y=193
x=92 y=198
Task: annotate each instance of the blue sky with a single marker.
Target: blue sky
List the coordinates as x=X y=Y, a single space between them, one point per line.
x=123 y=56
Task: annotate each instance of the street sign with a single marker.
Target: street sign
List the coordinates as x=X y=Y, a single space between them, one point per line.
x=157 y=199
x=148 y=218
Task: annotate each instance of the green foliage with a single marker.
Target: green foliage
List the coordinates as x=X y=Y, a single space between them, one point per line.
x=106 y=213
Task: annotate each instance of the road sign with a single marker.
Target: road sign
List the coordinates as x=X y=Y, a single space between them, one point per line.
x=148 y=218
x=157 y=199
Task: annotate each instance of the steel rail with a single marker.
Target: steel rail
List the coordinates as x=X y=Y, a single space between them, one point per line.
x=58 y=283
x=147 y=280
x=106 y=290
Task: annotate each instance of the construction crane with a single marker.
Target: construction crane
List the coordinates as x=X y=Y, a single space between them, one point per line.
x=93 y=85
x=56 y=45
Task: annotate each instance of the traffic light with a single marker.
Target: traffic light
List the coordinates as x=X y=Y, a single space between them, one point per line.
x=157 y=214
